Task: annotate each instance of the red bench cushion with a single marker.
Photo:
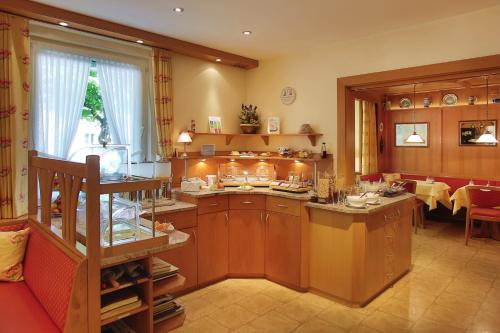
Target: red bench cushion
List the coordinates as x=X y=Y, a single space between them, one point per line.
x=20 y=311
x=49 y=274
x=485 y=212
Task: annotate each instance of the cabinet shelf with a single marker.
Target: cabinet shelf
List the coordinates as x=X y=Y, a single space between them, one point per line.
x=170 y=324
x=312 y=158
x=169 y=285
x=126 y=313
x=123 y=285
x=265 y=137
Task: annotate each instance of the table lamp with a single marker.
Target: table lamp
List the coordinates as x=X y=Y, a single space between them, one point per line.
x=184 y=138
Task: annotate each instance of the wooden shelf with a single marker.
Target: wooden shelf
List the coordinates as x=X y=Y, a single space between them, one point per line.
x=168 y=285
x=123 y=286
x=125 y=314
x=315 y=158
x=438 y=107
x=265 y=137
x=170 y=324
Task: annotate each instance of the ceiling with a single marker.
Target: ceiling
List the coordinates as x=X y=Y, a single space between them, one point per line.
x=278 y=26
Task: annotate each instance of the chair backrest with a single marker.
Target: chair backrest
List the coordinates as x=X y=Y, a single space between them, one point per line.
x=409 y=185
x=483 y=196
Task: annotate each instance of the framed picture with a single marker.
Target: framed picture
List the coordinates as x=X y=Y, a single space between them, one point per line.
x=214 y=124
x=471 y=130
x=273 y=125
x=403 y=130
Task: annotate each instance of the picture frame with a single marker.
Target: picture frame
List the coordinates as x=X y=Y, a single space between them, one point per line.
x=470 y=130
x=273 y=125
x=403 y=130
x=214 y=125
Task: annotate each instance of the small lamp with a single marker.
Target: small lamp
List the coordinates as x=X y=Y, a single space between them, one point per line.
x=487 y=137
x=184 y=138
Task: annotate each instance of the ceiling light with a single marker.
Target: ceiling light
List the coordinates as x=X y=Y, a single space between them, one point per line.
x=487 y=136
x=64 y=24
x=140 y=41
x=415 y=137
x=218 y=59
x=247 y=32
x=178 y=9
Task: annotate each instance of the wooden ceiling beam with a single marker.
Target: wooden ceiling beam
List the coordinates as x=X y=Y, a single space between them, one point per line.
x=49 y=14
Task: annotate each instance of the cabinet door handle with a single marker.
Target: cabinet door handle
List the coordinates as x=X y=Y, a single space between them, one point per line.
x=261 y=217
x=267 y=217
x=194 y=234
x=214 y=204
x=247 y=202
x=227 y=217
x=282 y=206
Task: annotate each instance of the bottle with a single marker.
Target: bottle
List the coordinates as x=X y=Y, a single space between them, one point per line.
x=323 y=150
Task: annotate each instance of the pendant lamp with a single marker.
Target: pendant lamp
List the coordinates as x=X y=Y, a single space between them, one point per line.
x=487 y=136
x=415 y=137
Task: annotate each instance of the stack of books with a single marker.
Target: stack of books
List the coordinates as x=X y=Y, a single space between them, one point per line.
x=118 y=302
x=118 y=326
x=163 y=270
x=164 y=307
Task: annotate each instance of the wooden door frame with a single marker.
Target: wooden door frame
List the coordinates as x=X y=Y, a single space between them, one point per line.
x=346 y=92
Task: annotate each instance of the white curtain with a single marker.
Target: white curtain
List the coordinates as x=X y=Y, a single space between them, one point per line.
x=121 y=88
x=60 y=87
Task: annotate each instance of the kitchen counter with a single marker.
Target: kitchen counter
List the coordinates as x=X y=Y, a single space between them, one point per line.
x=370 y=209
x=233 y=190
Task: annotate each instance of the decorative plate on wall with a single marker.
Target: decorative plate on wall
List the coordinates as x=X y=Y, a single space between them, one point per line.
x=450 y=99
x=404 y=103
x=288 y=95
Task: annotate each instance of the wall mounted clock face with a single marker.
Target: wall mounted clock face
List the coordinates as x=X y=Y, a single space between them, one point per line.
x=288 y=95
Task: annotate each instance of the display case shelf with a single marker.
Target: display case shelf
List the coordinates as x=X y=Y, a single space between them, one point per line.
x=170 y=324
x=169 y=285
x=125 y=314
x=265 y=137
x=312 y=158
x=123 y=286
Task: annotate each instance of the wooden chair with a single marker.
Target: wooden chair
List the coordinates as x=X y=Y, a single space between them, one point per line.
x=481 y=203
x=411 y=187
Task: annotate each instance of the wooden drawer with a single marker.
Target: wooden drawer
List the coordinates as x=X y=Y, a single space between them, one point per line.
x=283 y=205
x=180 y=220
x=247 y=201
x=217 y=203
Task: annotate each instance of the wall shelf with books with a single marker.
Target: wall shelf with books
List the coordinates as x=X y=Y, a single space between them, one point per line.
x=265 y=137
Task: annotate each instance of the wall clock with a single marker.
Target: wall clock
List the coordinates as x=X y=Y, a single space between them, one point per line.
x=288 y=95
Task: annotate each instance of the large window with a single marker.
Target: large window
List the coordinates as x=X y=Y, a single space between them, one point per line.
x=82 y=100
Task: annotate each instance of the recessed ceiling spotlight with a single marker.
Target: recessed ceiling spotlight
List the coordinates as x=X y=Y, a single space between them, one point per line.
x=247 y=32
x=64 y=24
x=178 y=9
x=218 y=59
x=140 y=41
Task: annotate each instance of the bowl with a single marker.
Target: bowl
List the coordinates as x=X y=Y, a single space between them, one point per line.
x=356 y=200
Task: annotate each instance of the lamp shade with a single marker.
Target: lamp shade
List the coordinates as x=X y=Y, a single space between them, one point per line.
x=487 y=137
x=414 y=138
x=184 y=137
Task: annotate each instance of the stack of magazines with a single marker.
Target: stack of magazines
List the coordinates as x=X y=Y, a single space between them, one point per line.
x=119 y=302
x=164 y=307
x=162 y=270
x=118 y=326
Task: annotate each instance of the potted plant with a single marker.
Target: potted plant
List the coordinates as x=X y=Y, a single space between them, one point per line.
x=249 y=119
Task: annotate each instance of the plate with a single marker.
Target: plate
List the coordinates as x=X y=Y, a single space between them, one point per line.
x=450 y=99
x=404 y=103
x=355 y=207
x=376 y=203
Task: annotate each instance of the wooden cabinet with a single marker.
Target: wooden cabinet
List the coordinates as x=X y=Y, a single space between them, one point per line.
x=216 y=203
x=246 y=242
x=283 y=205
x=212 y=246
x=186 y=258
x=282 y=262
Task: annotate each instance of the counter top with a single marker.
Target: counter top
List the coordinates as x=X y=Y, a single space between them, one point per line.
x=371 y=209
x=179 y=206
x=256 y=190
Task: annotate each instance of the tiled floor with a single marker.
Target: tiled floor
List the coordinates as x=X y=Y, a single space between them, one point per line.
x=451 y=288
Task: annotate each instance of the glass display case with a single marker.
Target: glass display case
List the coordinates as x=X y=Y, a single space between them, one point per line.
x=115 y=161
x=234 y=174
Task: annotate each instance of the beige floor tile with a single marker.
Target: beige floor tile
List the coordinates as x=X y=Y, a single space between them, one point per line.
x=453 y=316
x=205 y=325
x=470 y=289
x=197 y=308
x=452 y=300
x=259 y=303
x=316 y=325
x=298 y=310
x=428 y=326
x=233 y=316
x=192 y=295
x=281 y=294
x=274 y=322
x=222 y=297
x=342 y=316
x=245 y=329
x=486 y=323
x=316 y=300
x=410 y=310
x=385 y=322
x=363 y=329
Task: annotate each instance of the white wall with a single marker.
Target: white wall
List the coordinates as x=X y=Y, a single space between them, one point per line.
x=314 y=72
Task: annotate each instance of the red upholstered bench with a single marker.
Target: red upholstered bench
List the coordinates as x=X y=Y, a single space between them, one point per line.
x=40 y=302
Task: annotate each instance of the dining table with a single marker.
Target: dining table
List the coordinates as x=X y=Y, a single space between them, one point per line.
x=433 y=192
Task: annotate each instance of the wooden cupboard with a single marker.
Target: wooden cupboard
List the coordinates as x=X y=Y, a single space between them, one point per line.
x=283 y=251
x=212 y=246
x=186 y=258
x=246 y=242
